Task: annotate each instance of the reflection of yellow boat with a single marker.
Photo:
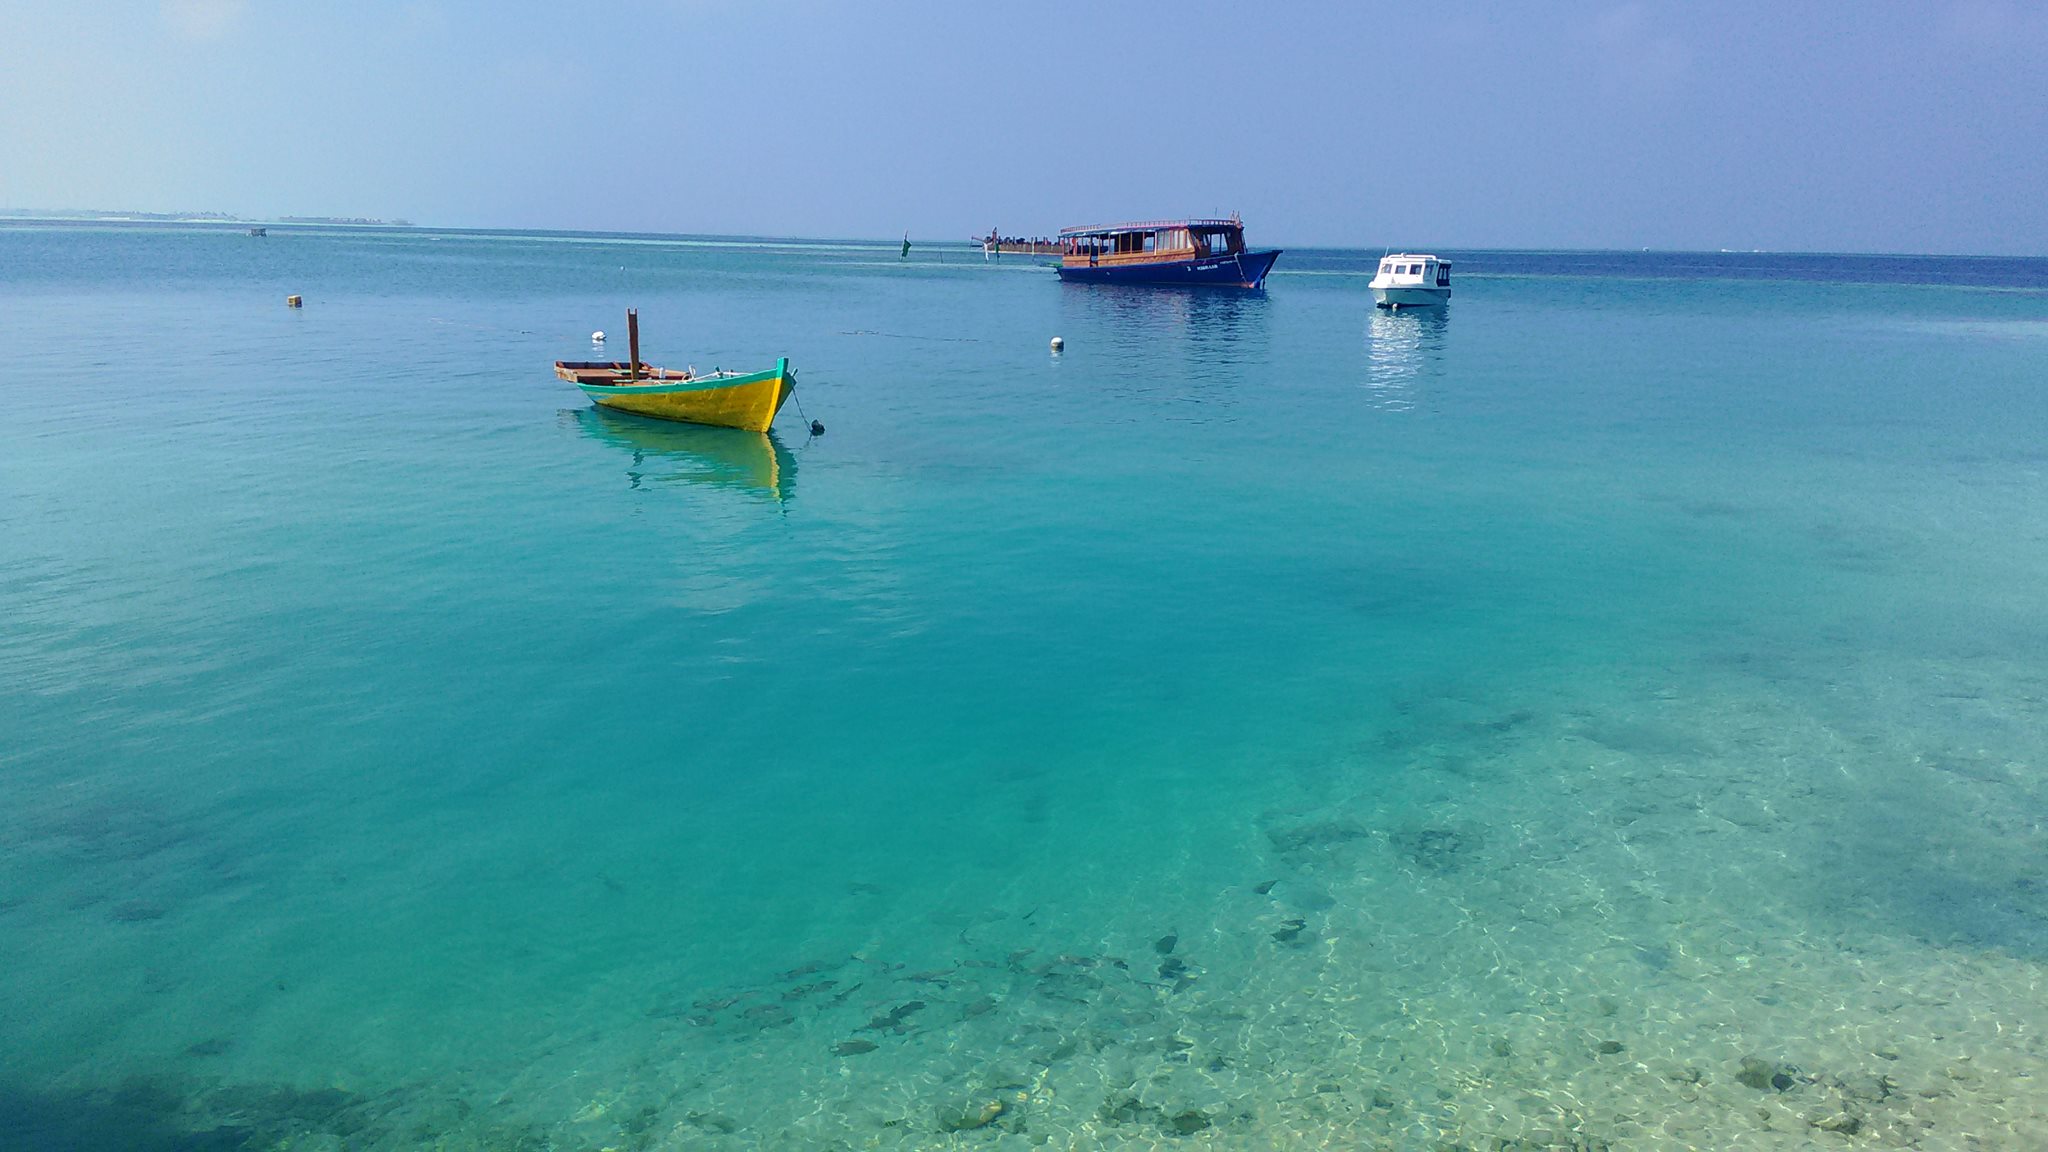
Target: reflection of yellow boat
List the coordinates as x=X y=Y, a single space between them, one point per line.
x=747 y=400
x=720 y=457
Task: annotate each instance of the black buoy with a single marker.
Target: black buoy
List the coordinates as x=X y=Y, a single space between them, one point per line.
x=817 y=427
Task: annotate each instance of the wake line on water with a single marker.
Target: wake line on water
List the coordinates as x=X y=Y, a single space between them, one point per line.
x=907 y=336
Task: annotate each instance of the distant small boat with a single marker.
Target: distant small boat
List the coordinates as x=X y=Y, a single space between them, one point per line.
x=995 y=244
x=1409 y=280
x=259 y=231
x=746 y=400
x=1190 y=252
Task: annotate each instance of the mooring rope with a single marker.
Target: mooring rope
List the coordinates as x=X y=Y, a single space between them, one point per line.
x=813 y=428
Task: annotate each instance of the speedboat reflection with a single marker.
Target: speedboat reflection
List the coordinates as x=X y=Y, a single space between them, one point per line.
x=665 y=452
x=1402 y=349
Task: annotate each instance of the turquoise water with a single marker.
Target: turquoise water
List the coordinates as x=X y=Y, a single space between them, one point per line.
x=1607 y=713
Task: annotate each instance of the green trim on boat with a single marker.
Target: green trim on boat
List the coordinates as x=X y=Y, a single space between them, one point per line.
x=701 y=384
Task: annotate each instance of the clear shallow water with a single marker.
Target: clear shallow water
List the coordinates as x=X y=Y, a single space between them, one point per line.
x=1270 y=723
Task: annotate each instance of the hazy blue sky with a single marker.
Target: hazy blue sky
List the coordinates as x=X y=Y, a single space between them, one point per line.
x=1807 y=124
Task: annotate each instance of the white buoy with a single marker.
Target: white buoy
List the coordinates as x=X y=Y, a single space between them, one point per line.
x=597 y=337
x=1058 y=344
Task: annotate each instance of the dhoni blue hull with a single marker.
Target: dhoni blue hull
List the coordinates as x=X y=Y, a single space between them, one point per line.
x=1242 y=270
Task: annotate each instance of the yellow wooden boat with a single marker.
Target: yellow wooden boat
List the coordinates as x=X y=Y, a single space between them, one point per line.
x=746 y=400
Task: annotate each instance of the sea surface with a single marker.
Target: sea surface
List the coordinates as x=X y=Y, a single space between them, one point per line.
x=1610 y=712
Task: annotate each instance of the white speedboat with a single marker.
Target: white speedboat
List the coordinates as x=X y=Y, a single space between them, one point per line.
x=1409 y=280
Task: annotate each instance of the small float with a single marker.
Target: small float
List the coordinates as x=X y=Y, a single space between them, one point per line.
x=746 y=400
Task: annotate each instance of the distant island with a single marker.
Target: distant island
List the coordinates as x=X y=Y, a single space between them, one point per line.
x=191 y=217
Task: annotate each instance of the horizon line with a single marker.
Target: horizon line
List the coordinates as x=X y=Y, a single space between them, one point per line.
x=88 y=216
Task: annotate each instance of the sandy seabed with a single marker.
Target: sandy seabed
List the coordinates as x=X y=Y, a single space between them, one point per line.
x=1730 y=916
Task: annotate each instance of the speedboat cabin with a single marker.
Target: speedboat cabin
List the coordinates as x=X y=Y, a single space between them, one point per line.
x=1411 y=280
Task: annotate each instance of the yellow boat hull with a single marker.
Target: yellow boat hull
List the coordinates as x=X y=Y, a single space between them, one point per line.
x=748 y=402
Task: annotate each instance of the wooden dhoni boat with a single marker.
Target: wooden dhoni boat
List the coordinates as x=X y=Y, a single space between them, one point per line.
x=1184 y=252
x=746 y=400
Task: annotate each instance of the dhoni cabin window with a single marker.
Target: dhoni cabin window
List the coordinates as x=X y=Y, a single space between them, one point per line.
x=1218 y=243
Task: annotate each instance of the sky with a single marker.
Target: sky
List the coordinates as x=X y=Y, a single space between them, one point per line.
x=1829 y=125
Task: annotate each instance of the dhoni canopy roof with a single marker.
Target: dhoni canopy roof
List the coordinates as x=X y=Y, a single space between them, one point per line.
x=1153 y=226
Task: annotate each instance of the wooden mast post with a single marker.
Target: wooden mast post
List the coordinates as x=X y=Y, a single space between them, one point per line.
x=633 y=343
